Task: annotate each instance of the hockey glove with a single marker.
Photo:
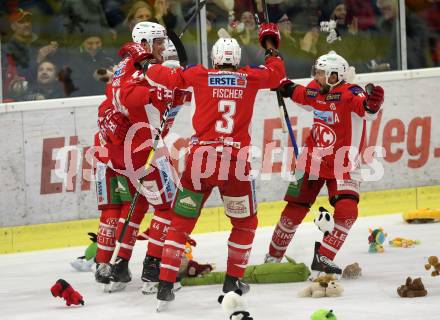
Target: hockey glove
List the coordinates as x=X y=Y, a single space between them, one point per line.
x=64 y=290
x=286 y=88
x=137 y=52
x=375 y=97
x=181 y=97
x=269 y=31
x=114 y=125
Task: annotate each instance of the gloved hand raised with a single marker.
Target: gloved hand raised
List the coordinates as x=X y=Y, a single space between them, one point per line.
x=286 y=88
x=138 y=53
x=268 y=31
x=375 y=98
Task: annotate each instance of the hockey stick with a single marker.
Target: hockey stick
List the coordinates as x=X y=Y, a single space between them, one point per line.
x=281 y=104
x=183 y=58
x=199 y=7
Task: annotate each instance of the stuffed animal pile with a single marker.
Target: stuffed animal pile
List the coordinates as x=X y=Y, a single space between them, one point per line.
x=323 y=286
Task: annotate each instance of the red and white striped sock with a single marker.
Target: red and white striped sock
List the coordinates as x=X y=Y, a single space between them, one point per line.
x=345 y=215
x=285 y=229
x=158 y=231
x=106 y=236
x=129 y=239
x=174 y=246
x=240 y=244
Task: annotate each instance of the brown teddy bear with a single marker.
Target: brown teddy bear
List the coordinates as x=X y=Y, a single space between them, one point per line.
x=435 y=264
x=412 y=288
x=352 y=271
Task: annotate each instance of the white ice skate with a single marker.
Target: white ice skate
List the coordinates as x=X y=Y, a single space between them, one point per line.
x=82 y=265
x=152 y=287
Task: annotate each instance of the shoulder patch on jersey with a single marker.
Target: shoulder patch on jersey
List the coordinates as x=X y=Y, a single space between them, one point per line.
x=257 y=66
x=334 y=96
x=120 y=70
x=356 y=90
x=311 y=93
x=189 y=66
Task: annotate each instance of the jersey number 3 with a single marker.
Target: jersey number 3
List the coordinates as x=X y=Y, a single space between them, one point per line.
x=227 y=108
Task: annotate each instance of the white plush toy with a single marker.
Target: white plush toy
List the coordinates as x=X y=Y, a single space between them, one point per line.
x=325 y=221
x=322 y=289
x=233 y=306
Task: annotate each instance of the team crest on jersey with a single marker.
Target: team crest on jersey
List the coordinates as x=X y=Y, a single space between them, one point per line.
x=227 y=80
x=323 y=135
x=326 y=116
x=311 y=93
x=333 y=97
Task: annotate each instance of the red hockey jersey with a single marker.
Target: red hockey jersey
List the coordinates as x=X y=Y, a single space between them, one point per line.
x=224 y=100
x=338 y=131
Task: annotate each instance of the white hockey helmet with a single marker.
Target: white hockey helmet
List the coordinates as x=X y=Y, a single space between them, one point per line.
x=332 y=62
x=148 y=31
x=170 y=52
x=226 y=51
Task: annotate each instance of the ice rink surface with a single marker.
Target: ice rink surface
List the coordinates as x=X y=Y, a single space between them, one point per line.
x=26 y=278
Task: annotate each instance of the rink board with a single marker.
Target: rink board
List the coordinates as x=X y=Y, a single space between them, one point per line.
x=45 y=175
x=74 y=233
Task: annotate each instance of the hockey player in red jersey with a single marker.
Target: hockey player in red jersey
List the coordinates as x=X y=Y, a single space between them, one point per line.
x=330 y=156
x=113 y=127
x=224 y=98
x=143 y=105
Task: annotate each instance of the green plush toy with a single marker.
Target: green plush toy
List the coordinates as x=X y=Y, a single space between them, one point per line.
x=86 y=262
x=323 y=314
x=264 y=273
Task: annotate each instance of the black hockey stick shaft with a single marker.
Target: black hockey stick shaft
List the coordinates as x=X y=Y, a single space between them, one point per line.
x=281 y=103
x=200 y=6
x=139 y=187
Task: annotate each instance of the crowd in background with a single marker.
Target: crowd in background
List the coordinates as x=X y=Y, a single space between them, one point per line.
x=58 y=48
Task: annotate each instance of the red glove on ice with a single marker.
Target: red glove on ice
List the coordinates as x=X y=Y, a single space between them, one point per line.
x=114 y=125
x=269 y=31
x=181 y=97
x=375 y=97
x=64 y=290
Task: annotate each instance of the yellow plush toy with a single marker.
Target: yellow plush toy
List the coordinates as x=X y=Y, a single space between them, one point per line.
x=403 y=242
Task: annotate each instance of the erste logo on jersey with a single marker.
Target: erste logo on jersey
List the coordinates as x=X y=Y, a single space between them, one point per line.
x=323 y=135
x=227 y=80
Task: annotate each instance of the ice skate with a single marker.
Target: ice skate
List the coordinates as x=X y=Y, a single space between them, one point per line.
x=164 y=295
x=270 y=259
x=102 y=274
x=119 y=277
x=83 y=265
x=150 y=275
x=233 y=283
x=321 y=264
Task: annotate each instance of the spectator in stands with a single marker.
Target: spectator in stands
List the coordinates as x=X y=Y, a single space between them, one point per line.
x=296 y=50
x=79 y=15
x=47 y=85
x=304 y=14
x=87 y=60
x=354 y=47
x=362 y=13
x=139 y=11
x=416 y=34
x=20 y=54
x=163 y=14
